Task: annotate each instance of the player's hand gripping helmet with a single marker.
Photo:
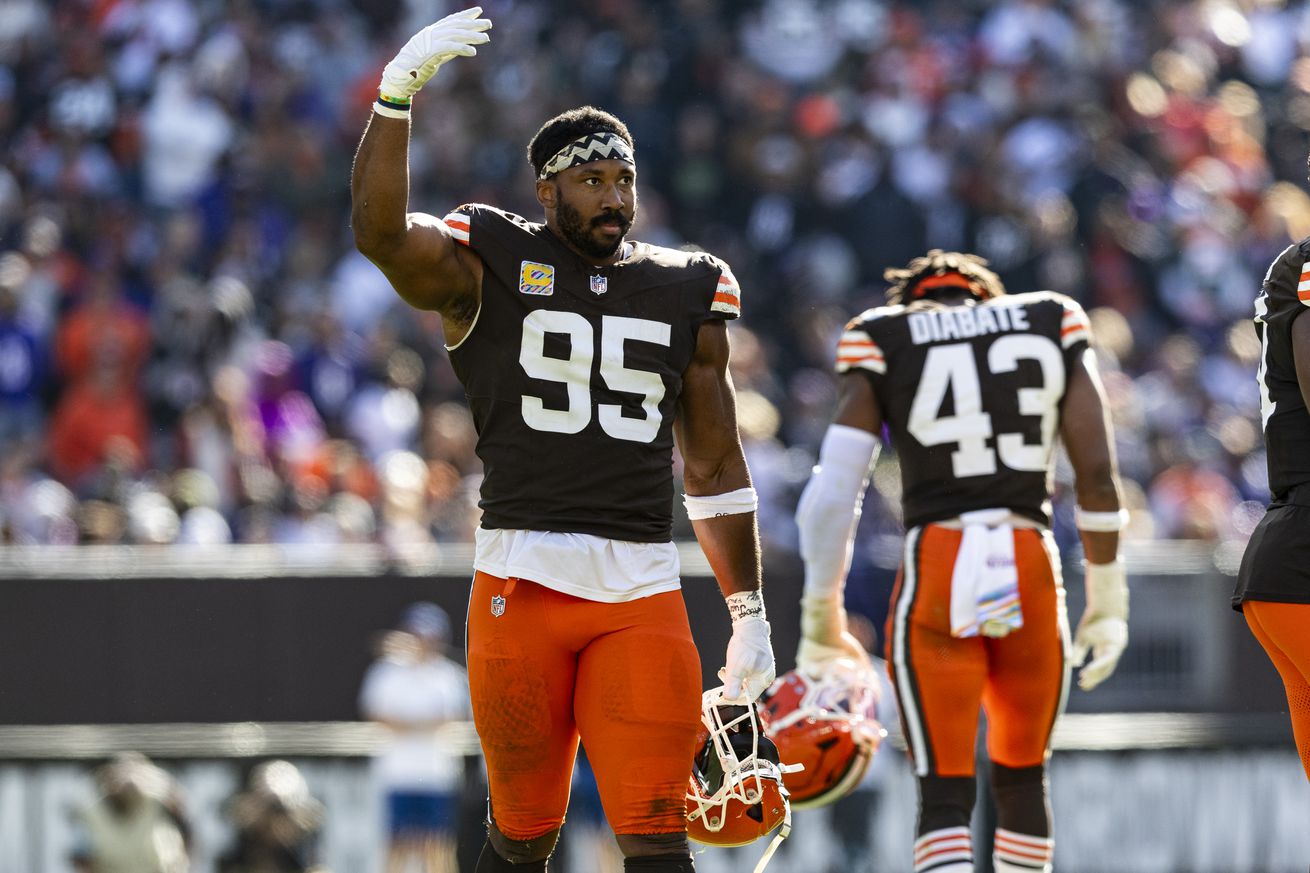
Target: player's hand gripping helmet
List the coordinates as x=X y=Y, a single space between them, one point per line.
x=827 y=724
x=736 y=794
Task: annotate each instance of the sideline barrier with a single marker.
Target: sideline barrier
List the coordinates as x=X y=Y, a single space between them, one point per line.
x=105 y=635
x=1076 y=732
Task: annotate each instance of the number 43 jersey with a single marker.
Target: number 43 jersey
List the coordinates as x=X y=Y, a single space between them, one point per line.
x=573 y=374
x=971 y=394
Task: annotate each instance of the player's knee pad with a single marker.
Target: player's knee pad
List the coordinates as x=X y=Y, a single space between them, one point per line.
x=675 y=863
x=945 y=802
x=1021 y=799
x=636 y=847
x=518 y=856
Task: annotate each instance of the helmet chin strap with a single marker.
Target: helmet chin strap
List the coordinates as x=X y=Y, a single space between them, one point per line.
x=782 y=834
x=785 y=830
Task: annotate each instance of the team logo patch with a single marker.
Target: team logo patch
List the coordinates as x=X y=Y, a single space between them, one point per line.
x=599 y=285
x=497 y=605
x=537 y=279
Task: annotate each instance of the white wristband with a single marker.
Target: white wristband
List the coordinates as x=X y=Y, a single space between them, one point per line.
x=388 y=112
x=745 y=604
x=1099 y=522
x=713 y=505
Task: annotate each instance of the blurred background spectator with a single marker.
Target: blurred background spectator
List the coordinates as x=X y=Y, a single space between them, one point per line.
x=192 y=351
x=413 y=689
x=277 y=823
x=137 y=824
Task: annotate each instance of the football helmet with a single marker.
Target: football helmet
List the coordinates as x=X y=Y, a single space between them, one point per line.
x=736 y=793
x=827 y=723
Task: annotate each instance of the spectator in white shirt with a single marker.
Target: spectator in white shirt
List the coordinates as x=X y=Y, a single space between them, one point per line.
x=414 y=690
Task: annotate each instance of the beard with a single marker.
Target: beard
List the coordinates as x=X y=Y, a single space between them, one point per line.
x=579 y=233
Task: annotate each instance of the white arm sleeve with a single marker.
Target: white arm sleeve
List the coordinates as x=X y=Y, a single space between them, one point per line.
x=826 y=516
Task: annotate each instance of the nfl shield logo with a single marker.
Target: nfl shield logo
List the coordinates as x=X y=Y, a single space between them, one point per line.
x=497 y=605
x=599 y=285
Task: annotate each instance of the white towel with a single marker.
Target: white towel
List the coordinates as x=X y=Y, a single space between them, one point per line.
x=985 y=583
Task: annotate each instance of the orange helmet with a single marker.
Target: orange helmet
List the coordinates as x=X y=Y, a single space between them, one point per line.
x=736 y=794
x=827 y=724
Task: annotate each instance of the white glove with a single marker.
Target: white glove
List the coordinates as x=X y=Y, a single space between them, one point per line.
x=1103 y=629
x=813 y=657
x=416 y=63
x=824 y=637
x=748 y=667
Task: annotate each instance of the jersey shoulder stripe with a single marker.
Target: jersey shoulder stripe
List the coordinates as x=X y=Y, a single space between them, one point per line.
x=1303 y=285
x=1075 y=327
x=856 y=349
x=460 y=225
x=727 y=294
x=460 y=222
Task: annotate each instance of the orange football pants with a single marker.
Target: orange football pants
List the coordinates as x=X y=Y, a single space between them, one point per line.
x=1281 y=630
x=550 y=668
x=1021 y=679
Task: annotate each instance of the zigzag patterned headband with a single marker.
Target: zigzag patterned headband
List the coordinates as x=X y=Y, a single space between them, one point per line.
x=587 y=148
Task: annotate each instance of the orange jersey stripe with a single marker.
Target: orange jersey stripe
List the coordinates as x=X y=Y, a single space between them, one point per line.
x=1073 y=328
x=458 y=225
x=724 y=297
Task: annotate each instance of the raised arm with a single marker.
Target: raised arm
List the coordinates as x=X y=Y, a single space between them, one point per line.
x=721 y=504
x=1087 y=434
x=414 y=250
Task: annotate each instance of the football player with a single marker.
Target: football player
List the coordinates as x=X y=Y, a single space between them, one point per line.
x=973 y=386
x=1273 y=586
x=583 y=354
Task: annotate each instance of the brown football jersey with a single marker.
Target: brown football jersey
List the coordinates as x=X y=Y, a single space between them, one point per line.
x=1284 y=295
x=573 y=374
x=1274 y=566
x=971 y=394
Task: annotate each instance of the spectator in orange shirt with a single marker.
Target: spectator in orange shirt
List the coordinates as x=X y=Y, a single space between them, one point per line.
x=97 y=418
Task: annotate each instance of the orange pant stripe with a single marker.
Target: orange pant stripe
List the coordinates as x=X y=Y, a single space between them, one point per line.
x=550 y=668
x=1281 y=630
x=1020 y=680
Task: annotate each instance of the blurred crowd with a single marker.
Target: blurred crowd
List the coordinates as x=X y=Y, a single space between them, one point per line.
x=192 y=351
x=139 y=822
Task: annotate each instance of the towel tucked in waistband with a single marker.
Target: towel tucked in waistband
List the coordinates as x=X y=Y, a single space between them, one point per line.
x=985 y=583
